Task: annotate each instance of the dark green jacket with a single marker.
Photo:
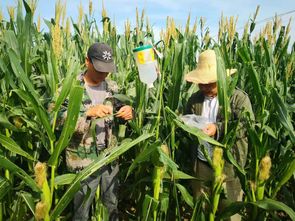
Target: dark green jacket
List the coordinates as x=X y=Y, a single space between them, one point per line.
x=239 y=105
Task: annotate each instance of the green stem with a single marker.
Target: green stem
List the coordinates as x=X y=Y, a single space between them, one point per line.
x=7 y=133
x=158 y=170
x=260 y=188
x=176 y=199
x=1 y=212
x=52 y=174
x=253 y=194
x=157 y=181
x=215 y=198
x=260 y=196
x=54 y=124
x=262 y=122
x=52 y=182
x=97 y=199
x=157 y=186
x=160 y=105
x=211 y=217
x=7 y=173
x=254 y=214
x=256 y=169
x=260 y=191
x=255 y=210
x=140 y=119
x=173 y=139
x=51 y=151
x=215 y=202
x=47 y=218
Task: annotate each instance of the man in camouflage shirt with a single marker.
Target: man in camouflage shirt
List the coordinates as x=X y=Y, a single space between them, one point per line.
x=94 y=132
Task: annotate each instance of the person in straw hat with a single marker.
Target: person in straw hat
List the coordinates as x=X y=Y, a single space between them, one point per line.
x=204 y=103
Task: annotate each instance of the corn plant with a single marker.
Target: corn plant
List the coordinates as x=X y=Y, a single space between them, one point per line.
x=37 y=75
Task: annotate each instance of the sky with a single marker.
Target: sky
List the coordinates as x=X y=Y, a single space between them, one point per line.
x=158 y=10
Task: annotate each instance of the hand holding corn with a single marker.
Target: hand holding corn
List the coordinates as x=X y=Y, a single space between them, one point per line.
x=99 y=110
x=125 y=113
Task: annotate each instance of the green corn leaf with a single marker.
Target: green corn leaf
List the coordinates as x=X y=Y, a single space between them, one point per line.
x=179 y=175
x=284 y=177
x=225 y=54
x=27 y=7
x=7 y=164
x=124 y=99
x=192 y=130
x=19 y=16
x=67 y=85
x=145 y=155
x=279 y=40
x=198 y=133
x=49 y=75
x=70 y=123
x=54 y=63
x=41 y=114
x=244 y=54
x=11 y=40
x=176 y=77
x=5 y=186
x=10 y=145
x=150 y=204
x=223 y=96
x=267 y=53
x=270 y=204
x=6 y=123
x=252 y=26
x=283 y=114
x=18 y=210
x=164 y=204
x=20 y=73
x=270 y=131
x=267 y=204
x=284 y=50
x=64 y=179
x=185 y=195
x=232 y=209
x=161 y=159
x=256 y=83
x=234 y=162
x=105 y=158
x=29 y=200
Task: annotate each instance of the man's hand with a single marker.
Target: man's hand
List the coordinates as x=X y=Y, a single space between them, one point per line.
x=210 y=129
x=125 y=113
x=99 y=110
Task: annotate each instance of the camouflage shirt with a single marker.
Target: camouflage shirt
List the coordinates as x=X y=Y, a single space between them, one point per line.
x=92 y=134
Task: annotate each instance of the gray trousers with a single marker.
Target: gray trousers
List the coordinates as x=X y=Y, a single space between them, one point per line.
x=107 y=177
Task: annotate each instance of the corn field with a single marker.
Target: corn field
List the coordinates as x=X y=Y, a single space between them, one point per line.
x=38 y=72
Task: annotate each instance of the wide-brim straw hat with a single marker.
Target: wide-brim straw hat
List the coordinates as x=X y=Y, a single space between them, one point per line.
x=206 y=72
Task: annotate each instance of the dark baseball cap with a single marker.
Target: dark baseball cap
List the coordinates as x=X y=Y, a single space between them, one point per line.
x=101 y=56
